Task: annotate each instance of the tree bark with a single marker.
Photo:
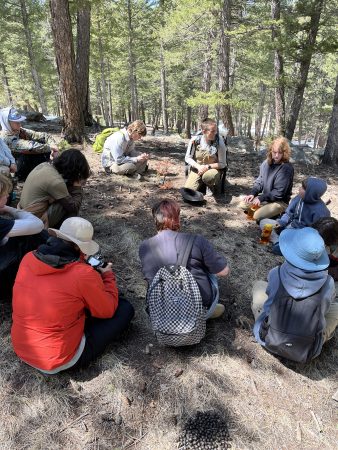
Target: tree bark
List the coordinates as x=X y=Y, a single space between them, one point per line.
x=278 y=71
x=331 y=148
x=31 y=57
x=103 y=77
x=206 y=81
x=224 y=65
x=260 y=110
x=6 y=82
x=132 y=65
x=188 y=123
x=304 y=68
x=65 y=61
x=164 y=93
x=82 y=59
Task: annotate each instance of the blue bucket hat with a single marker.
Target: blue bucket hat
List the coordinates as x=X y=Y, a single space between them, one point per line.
x=304 y=248
x=15 y=116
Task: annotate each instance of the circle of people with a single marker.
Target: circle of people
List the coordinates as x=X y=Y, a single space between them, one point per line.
x=66 y=305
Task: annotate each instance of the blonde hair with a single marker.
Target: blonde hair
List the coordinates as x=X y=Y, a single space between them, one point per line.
x=5 y=185
x=137 y=126
x=283 y=144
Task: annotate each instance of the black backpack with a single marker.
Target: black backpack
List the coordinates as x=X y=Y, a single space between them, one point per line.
x=174 y=303
x=293 y=328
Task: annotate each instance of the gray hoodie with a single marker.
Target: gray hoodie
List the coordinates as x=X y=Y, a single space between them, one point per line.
x=299 y=284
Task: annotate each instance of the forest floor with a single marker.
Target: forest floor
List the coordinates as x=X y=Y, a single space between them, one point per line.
x=140 y=396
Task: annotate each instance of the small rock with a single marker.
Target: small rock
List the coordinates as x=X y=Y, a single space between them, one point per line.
x=178 y=373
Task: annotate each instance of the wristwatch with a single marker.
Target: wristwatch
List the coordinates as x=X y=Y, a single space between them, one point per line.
x=209 y=166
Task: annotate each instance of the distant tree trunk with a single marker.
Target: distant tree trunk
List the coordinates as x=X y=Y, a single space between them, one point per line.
x=224 y=64
x=206 y=81
x=5 y=81
x=300 y=127
x=331 y=148
x=188 y=123
x=31 y=57
x=132 y=65
x=103 y=77
x=142 y=112
x=164 y=93
x=260 y=110
x=82 y=59
x=304 y=68
x=279 y=71
x=65 y=61
x=249 y=125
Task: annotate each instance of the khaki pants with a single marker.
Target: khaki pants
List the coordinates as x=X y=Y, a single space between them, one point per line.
x=266 y=210
x=128 y=168
x=259 y=297
x=210 y=178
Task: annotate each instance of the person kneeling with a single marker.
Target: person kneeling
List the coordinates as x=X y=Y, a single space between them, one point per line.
x=181 y=270
x=295 y=311
x=53 y=290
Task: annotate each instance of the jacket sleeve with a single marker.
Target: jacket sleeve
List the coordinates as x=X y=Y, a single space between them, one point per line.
x=6 y=157
x=258 y=184
x=99 y=292
x=281 y=184
x=25 y=223
x=188 y=158
x=289 y=212
x=72 y=203
x=222 y=153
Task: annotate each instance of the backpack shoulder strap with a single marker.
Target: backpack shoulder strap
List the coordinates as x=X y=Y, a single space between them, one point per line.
x=184 y=255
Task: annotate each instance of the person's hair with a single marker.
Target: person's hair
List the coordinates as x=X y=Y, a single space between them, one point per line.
x=327 y=227
x=5 y=185
x=304 y=183
x=166 y=214
x=283 y=144
x=137 y=126
x=206 y=123
x=72 y=165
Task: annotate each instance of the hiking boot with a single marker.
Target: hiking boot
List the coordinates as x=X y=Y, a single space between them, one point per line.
x=140 y=177
x=218 y=311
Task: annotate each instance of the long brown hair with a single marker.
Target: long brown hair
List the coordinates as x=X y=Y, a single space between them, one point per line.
x=283 y=144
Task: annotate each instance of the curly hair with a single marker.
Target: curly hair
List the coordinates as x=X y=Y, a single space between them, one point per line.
x=166 y=214
x=206 y=123
x=283 y=144
x=327 y=227
x=6 y=185
x=137 y=126
x=72 y=165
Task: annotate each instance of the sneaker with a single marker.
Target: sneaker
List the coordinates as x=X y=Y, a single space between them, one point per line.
x=218 y=311
x=209 y=192
x=140 y=177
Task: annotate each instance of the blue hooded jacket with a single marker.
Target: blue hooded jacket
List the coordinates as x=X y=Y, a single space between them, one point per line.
x=304 y=212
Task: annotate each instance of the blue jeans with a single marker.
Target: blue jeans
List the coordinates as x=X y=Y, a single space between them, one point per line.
x=215 y=290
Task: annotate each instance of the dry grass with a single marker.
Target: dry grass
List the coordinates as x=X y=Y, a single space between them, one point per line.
x=131 y=399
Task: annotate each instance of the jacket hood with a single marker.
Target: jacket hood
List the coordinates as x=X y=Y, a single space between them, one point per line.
x=5 y=126
x=300 y=283
x=315 y=188
x=57 y=253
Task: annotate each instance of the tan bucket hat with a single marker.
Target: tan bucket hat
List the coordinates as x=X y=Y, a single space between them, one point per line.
x=79 y=231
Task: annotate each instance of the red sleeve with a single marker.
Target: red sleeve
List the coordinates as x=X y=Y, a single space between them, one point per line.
x=100 y=294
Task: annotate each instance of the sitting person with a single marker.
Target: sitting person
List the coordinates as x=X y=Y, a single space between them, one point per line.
x=296 y=311
x=65 y=312
x=327 y=227
x=7 y=160
x=303 y=211
x=54 y=191
x=19 y=234
x=30 y=148
x=119 y=155
x=206 y=155
x=272 y=189
x=204 y=262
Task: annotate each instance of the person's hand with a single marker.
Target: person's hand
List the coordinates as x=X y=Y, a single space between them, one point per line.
x=248 y=198
x=256 y=201
x=202 y=169
x=13 y=168
x=77 y=183
x=143 y=157
x=108 y=268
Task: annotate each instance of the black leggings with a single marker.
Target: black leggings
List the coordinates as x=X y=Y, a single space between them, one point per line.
x=101 y=332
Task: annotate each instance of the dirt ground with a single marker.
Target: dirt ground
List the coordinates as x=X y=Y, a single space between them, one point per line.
x=139 y=395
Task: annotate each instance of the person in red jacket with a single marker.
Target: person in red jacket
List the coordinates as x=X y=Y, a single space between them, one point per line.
x=65 y=312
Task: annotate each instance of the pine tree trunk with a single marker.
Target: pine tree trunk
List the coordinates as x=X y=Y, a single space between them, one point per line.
x=82 y=59
x=164 y=94
x=65 y=61
x=279 y=71
x=103 y=78
x=6 y=82
x=206 y=81
x=304 y=68
x=260 y=110
x=132 y=65
x=224 y=65
x=31 y=57
x=188 y=123
x=331 y=148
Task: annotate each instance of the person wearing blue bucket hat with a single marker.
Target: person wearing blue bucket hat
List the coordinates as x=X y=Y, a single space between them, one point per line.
x=296 y=311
